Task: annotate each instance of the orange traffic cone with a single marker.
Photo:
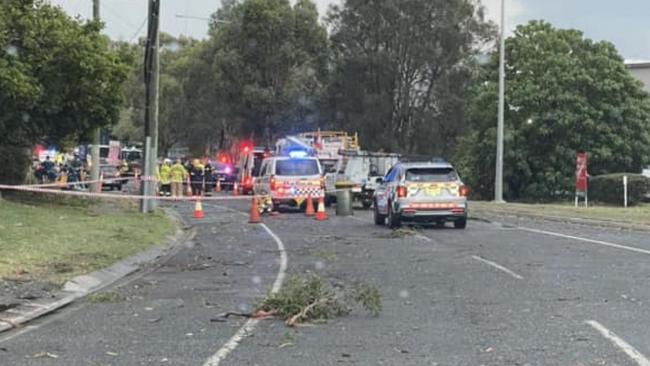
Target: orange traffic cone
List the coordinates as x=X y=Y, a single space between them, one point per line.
x=254 y=214
x=235 y=189
x=198 y=209
x=309 y=210
x=321 y=214
x=218 y=189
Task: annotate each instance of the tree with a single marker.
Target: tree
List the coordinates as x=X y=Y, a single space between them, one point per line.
x=564 y=93
x=270 y=60
x=58 y=77
x=403 y=70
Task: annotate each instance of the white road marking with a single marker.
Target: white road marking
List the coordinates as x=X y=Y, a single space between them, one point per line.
x=599 y=242
x=635 y=355
x=498 y=266
x=249 y=326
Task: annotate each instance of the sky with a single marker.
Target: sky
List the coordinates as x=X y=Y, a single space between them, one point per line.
x=622 y=22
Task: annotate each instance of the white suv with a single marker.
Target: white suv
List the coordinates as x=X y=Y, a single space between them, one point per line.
x=290 y=180
x=421 y=192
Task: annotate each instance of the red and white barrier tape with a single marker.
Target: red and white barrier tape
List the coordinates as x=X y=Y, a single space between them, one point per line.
x=65 y=184
x=132 y=196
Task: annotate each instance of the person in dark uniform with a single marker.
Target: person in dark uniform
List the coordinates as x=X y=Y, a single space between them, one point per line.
x=209 y=178
x=197 y=175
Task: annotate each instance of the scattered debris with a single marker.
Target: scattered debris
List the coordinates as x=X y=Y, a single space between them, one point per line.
x=154 y=320
x=397 y=234
x=104 y=298
x=43 y=355
x=288 y=340
x=310 y=298
x=114 y=354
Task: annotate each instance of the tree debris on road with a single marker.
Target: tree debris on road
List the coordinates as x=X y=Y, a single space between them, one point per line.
x=310 y=298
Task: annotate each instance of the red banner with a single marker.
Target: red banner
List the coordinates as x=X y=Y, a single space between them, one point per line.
x=581 y=172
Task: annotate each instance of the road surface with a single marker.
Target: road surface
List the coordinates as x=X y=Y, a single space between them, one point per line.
x=517 y=293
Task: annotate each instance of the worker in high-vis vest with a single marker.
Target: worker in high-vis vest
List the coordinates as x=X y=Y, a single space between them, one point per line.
x=177 y=174
x=165 y=178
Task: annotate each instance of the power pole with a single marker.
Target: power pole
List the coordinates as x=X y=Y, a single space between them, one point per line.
x=97 y=134
x=151 y=67
x=498 y=179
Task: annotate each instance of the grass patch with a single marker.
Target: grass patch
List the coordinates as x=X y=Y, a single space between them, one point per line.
x=310 y=298
x=53 y=242
x=104 y=298
x=639 y=214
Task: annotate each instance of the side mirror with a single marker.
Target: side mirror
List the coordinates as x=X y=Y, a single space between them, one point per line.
x=379 y=180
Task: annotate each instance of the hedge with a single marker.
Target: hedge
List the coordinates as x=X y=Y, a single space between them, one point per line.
x=608 y=188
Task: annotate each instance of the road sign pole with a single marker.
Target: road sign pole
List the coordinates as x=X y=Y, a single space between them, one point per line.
x=498 y=181
x=625 y=191
x=95 y=151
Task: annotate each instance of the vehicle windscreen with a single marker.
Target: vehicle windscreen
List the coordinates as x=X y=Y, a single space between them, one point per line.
x=295 y=167
x=431 y=175
x=257 y=164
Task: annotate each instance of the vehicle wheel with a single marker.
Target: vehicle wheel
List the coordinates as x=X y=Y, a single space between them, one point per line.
x=328 y=201
x=394 y=221
x=460 y=223
x=379 y=218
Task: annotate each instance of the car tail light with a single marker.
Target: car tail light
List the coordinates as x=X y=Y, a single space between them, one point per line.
x=273 y=183
x=401 y=191
x=463 y=191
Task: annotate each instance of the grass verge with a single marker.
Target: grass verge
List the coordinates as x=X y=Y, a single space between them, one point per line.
x=636 y=215
x=55 y=241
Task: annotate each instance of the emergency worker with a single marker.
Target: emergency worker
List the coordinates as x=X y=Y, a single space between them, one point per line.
x=197 y=174
x=177 y=175
x=164 y=177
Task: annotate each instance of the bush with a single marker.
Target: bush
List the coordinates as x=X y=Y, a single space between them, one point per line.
x=608 y=188
x=15 y=164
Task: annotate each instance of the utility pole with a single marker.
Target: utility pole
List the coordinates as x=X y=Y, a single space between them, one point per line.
x=498 y=180
x=151 y=67
x=97 y=134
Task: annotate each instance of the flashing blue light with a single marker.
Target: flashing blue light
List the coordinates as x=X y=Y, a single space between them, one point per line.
x=295 y=154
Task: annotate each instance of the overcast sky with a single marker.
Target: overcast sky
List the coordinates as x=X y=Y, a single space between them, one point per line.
x=623 y=22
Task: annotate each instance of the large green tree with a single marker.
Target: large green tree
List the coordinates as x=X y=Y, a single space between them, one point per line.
x=403 y=70
x=564 y=93
x=269 y=58
x=58 y=78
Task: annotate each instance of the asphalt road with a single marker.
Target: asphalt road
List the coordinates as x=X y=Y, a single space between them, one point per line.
x=524 y=293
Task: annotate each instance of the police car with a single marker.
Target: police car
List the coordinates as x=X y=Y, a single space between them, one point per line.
x=289 y=180
x=421 y=192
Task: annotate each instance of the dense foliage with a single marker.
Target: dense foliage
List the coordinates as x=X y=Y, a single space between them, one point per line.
x=58 y=77
x=608 y=188
x=402 y=70
x=564 y=94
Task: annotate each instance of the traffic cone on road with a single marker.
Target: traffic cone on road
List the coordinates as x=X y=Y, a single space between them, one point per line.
x=309 y=210
x=254 y=214
x=198 y=209
x=218 y=189
x=321 y=214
